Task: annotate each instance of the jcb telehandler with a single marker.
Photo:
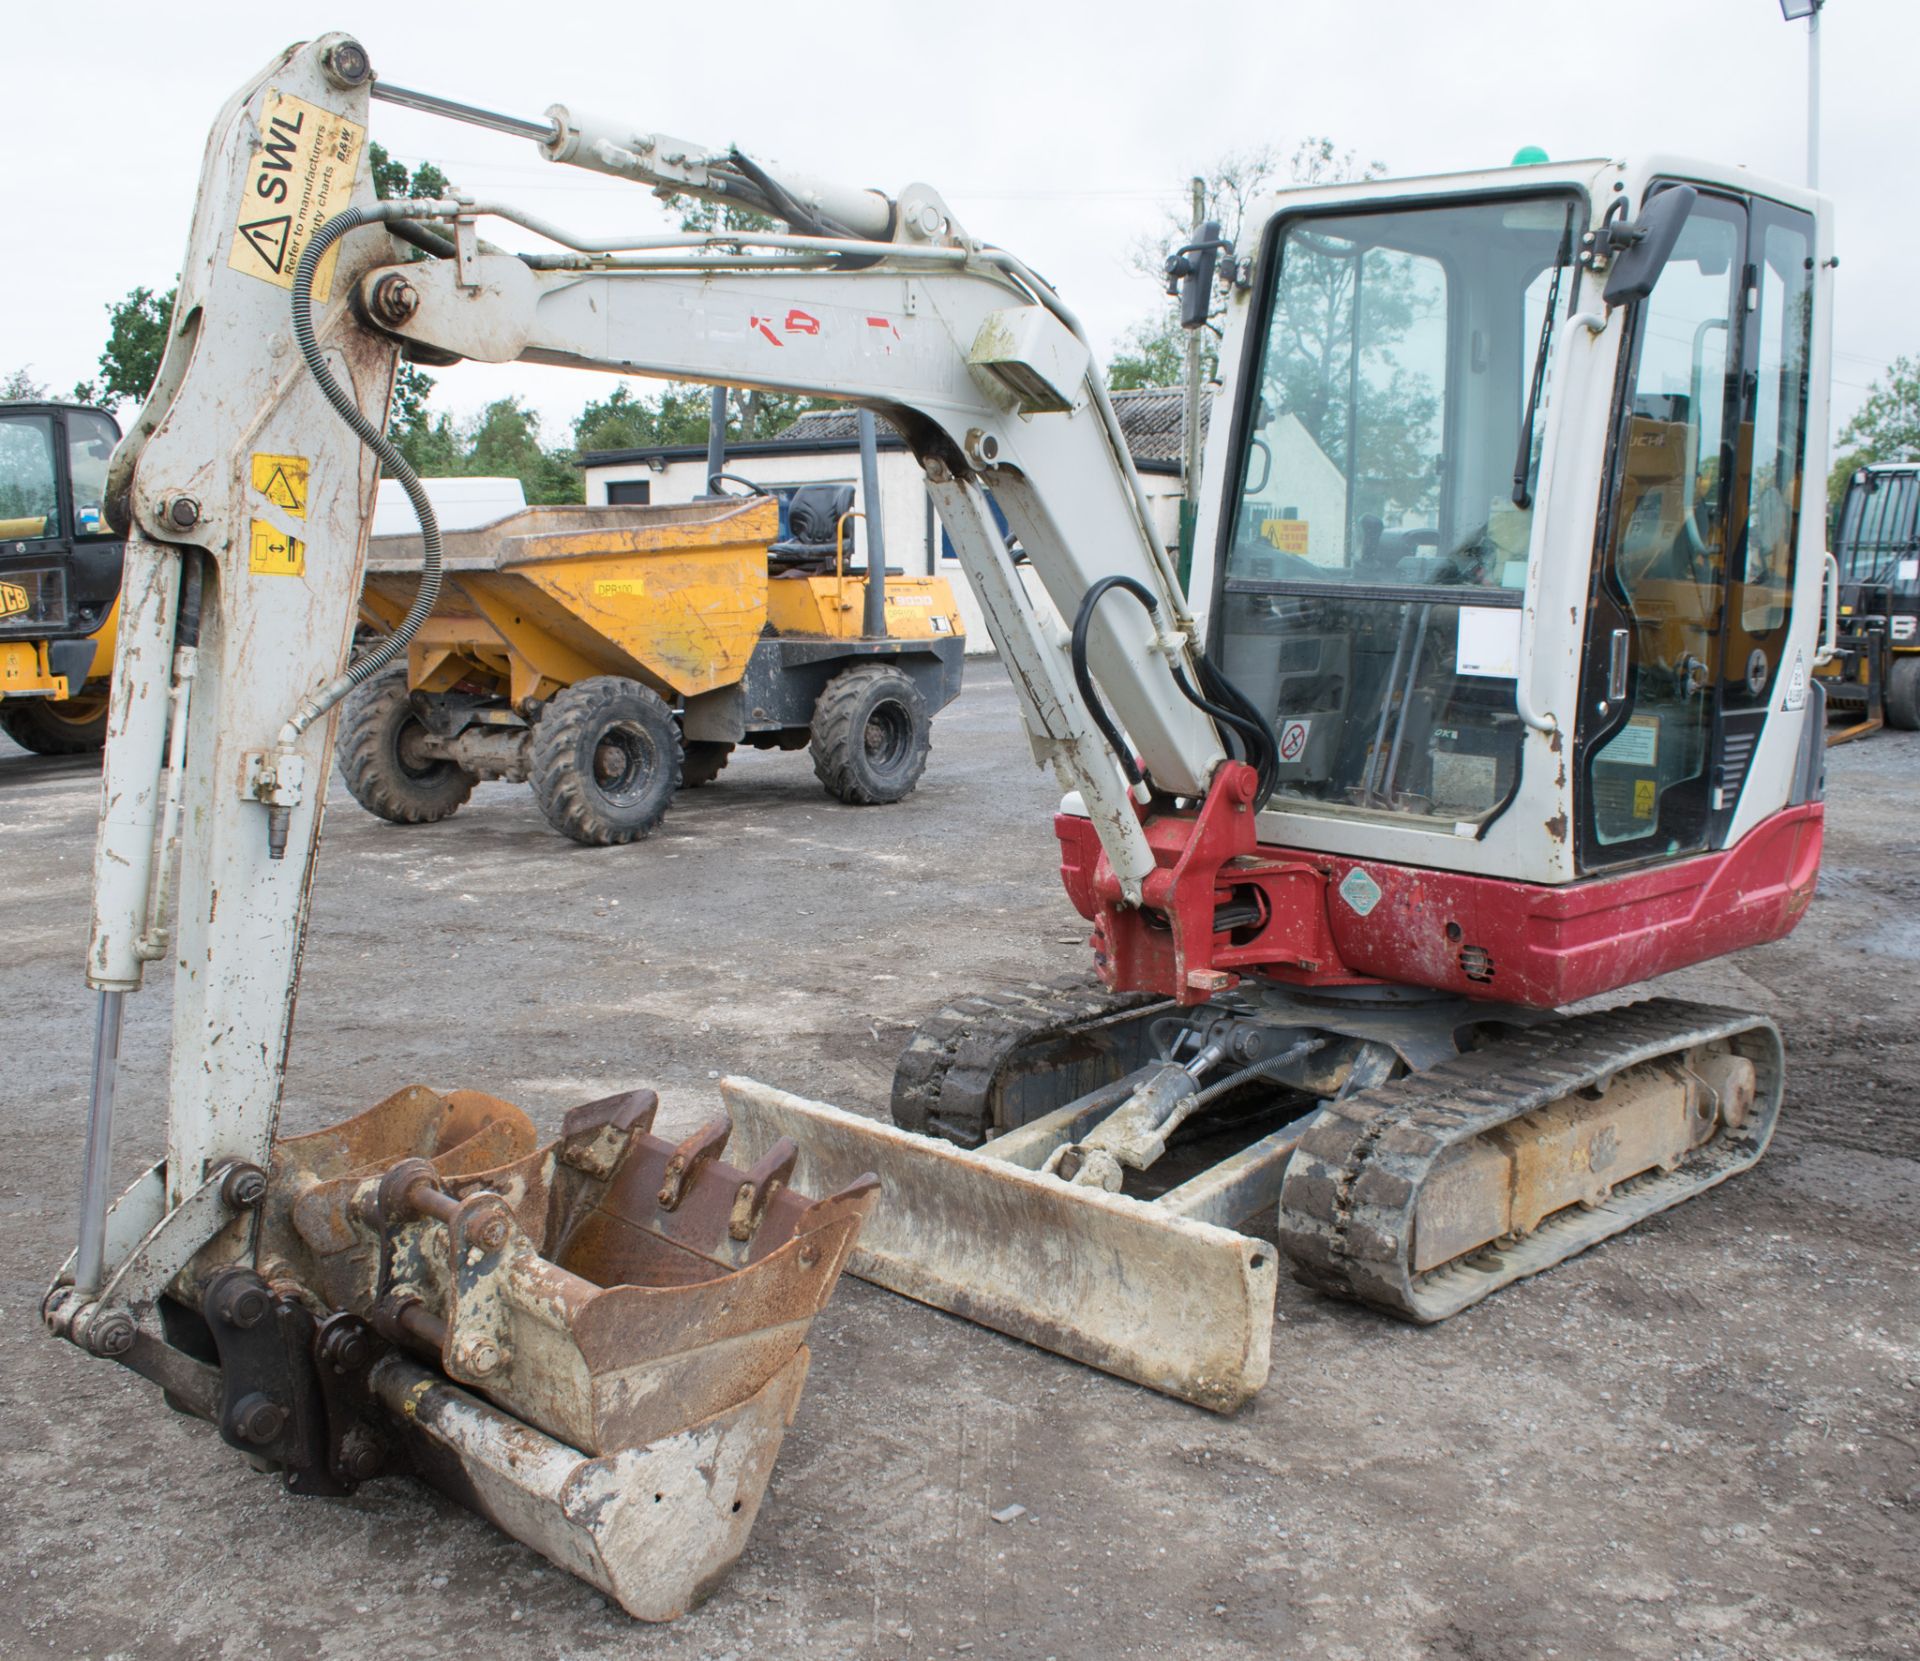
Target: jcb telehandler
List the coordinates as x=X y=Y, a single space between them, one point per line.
x=1492 y=695
x=1874 y=671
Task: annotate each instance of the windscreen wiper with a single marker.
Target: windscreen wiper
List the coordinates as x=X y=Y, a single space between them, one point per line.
x=1523 y=462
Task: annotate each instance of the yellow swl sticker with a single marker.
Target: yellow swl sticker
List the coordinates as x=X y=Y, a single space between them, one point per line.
x=1643 y=798
x=14 y=599
x=283 y=481
x=301 y=176
x=272 y=553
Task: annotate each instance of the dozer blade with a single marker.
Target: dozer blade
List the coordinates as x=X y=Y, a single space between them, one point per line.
x=1146 y=1290
x=597 y=1343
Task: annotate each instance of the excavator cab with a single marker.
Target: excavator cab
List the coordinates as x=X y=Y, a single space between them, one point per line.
x=1508 y=564
x=1372 y=586
x=59 y=575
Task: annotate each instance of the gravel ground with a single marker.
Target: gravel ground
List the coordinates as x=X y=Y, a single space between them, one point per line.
x=1696 y=1441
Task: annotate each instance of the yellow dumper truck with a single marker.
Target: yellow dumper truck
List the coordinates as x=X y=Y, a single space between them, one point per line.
x=610 y=656
x=59 y=576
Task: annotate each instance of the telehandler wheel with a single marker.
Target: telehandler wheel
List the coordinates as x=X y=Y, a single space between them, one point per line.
x=1903 y=694
x=702 y=761
x=605 y=761
x=871 y=735
x=380 y=761
x=56 y=726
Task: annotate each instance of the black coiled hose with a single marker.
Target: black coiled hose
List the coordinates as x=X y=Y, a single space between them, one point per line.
x=1217 y=697
x=392 y=462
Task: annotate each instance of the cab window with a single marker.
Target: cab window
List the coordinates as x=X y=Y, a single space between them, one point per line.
x=1375 y=565
x=91 y=438
x=29 y=499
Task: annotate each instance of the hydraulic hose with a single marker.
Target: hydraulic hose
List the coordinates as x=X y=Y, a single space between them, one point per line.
x=392 y=463
x=1083 y=675
x=1221 y=700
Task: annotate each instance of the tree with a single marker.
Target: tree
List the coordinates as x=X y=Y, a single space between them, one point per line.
x=622 y=421
x=752 y=414
x=21 y=385
x=1885 y=428
x=1155 y=348
x=504 y=442
x=1154 y=354
x=392 y=181
x=136 y=342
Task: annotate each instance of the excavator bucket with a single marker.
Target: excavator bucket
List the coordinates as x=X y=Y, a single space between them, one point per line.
x=597 y=1343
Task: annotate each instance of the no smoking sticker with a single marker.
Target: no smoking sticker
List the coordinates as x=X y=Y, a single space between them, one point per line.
x=302 y=175
x=1293 y=739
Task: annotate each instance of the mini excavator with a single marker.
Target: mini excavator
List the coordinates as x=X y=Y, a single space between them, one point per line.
x=1490 y=695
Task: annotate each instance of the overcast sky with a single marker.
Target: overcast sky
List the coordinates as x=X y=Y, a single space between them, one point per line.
x=1056 y=130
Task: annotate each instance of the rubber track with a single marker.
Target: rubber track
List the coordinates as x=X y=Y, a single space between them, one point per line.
x=1347 y=1206
x=944 y=1080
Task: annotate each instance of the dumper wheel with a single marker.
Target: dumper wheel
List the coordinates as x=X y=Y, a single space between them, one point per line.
x=702 y=761
x=605 y=761
x=1903 y=694
x=871 y=735
x=380 y=761
x=56 y=726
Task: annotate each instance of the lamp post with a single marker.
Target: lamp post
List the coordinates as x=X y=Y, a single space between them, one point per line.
x=1793 y=11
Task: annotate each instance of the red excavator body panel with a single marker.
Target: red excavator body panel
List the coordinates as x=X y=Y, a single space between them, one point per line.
x=1307 y=919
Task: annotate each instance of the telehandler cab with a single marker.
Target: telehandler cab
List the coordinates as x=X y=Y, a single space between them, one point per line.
x=59 y=576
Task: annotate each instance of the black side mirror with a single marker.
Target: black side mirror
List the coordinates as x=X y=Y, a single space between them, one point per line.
x=1190 y=274
x=1640 y=251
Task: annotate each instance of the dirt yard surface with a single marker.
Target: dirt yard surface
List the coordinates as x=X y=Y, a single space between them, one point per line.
x=1697 y=1441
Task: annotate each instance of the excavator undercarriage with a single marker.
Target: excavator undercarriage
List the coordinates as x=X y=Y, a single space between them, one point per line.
x=1412 y=1154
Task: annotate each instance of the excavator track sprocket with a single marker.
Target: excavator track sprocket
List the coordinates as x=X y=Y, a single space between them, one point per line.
x=1350 y=1206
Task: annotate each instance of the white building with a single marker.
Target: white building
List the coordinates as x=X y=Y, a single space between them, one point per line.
x=459 y=504
x=824 y=448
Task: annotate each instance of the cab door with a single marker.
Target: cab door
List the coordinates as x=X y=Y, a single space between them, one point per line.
x=34 y=543
x=1694 y=565
x=1650 y=712
x=1769 y=478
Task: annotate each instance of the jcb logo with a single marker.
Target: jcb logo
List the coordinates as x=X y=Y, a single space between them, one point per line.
x=14 y=599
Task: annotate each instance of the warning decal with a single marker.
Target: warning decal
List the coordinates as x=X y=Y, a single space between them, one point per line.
x=272 y=553
x=302 y=175
x=283 y=481
x=1293 y=739
x=1287 y=535
x=1796 y=697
